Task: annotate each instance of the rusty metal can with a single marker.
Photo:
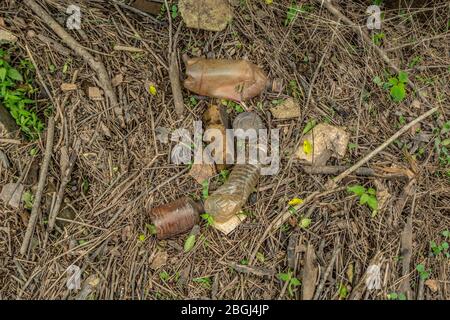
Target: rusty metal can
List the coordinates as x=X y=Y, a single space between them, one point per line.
x=176 y=217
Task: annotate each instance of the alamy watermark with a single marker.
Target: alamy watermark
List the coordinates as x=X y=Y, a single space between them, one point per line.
x=236 y=146
x=73 y=22
x=73 y=281
x=374 y=19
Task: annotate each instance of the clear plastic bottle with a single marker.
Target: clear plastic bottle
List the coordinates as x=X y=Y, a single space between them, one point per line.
x=229 y=199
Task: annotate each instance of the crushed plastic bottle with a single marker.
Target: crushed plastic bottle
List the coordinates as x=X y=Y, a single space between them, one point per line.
x=228 y=200
x=237 y=80
x=176 y=217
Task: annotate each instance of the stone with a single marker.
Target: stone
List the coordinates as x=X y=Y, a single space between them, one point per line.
x=6 y=36
x=211 y=15
x=286 y=110
x=12 y=194
x=7 y=124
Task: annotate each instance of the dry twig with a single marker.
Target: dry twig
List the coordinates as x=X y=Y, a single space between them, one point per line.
x=40 y=189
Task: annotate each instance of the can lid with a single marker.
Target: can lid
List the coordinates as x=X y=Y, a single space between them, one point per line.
x=248 y=120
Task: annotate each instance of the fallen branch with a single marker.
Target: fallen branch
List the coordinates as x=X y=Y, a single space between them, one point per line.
x=66 y=172
x=174 y=70
x=327 y=273
x=41 y=184
x=136 y=10
x=95 y=64
x=383 y=146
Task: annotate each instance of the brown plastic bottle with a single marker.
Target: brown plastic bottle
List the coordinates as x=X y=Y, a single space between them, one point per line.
x=237 y=80
x=176 y=217
x=229 y=199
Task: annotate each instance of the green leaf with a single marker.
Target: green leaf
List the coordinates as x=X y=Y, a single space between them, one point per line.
x=446 y=233
x=205 y=189
x=420 y=268
x=189 y=243
x=393 y=81
x=28 y=199
x=151 y=228
x=364 y=198
x=371 y=191
x=164 y=276
x=357 y=189
x=403 y=77
x=260 y=257
x=3 y=72
x=377 y=80
x=15 y=75
x=305 y=223
x=208 y=218
x=393 y=296
x=398 y=92
x=445 y=142
x=284 y=276
x=295 y=282
x=343 y=291
x=372 y=202
x=309 y=126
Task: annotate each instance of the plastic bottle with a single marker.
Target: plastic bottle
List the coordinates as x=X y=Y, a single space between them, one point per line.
x=237 y=80
x=229 y=199
x=176 y=217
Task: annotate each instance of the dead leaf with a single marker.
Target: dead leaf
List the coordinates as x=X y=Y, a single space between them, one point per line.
x=117 y=80
x=292 y=250
x=89 y=286
x=216 y=115
x=432 y=284
x=383 y=195
x=203 y=171
x=69 y=86
x=95 y=93
x=7 y=36
x=277 y=85
x=105 y=129
x=286 y=110
x=326 y=141
x=210 y=135
x=416 y=104
x=159 y=260
x=211 y=15
x=12 y=195
x=310 y=272
x=126 y=233
x=257 y=271
x=399 y=170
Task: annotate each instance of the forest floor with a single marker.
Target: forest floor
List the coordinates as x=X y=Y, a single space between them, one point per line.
x=121 y=170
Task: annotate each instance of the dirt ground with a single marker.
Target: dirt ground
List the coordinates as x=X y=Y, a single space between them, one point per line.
x=121 y=171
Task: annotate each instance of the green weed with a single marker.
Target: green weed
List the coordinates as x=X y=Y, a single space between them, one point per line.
x=15 y=92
